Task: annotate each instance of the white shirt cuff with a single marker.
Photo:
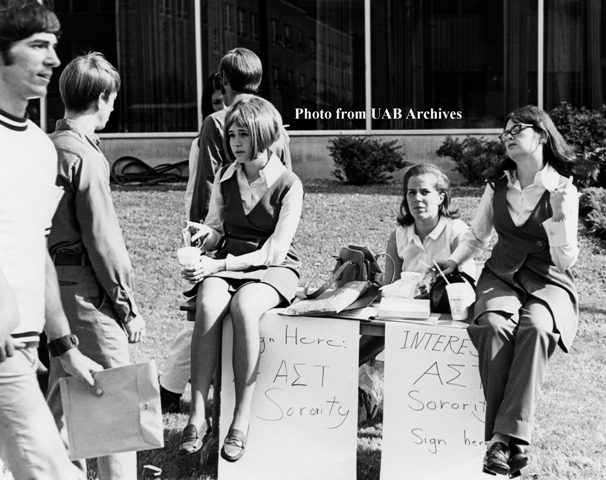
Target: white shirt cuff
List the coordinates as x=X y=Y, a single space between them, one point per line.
x=232 y=262
x=560 y=234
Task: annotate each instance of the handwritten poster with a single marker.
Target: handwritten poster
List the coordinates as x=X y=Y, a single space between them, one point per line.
x=305 y=405
x=434 y=408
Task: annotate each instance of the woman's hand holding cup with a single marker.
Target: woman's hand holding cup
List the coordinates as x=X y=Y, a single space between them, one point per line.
x=204 y=267
x=188 y=257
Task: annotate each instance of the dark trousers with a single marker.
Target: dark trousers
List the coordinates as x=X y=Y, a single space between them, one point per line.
x=513 y=355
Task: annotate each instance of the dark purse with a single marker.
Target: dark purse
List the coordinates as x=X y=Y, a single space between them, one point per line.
x=354 y=263
x=438 y=298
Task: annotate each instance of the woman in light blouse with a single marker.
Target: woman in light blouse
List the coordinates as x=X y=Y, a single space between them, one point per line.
x=527 y=301
x=255 y=207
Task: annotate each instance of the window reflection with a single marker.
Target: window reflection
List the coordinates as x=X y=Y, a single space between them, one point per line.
x=443 y=56
x=477 y=57
x=575 y=53
x=312 y=55
x=152 y=44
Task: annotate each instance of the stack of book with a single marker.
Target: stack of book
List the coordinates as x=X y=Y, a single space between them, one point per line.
x=405 y=310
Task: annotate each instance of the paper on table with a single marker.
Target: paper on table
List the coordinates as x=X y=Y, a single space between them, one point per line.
x=332 y=301
x=433 y=319
x=406 y=287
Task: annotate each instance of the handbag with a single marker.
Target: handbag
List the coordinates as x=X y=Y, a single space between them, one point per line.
x=353 y=264
x=438 y=298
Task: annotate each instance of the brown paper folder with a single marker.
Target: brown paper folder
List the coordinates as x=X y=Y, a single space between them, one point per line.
x=127 y=417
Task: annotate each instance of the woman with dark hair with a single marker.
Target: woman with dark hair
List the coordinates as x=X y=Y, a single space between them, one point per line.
x=526 y=295
x=212 y=98
x=212 y=101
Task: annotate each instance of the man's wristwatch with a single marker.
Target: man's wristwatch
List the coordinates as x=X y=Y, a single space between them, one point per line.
x=59 y=346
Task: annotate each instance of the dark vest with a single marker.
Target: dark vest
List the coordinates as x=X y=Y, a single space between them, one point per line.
x=520 y=267
x=247 y=233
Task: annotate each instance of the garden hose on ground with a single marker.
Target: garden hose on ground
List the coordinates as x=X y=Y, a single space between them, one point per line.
x=133 y=171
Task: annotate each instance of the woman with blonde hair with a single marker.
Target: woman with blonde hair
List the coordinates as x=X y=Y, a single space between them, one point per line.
x=255 y=207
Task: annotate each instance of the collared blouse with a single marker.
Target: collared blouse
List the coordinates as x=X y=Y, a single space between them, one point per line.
x=439 y=244
x=562 y=236
x=274 y=250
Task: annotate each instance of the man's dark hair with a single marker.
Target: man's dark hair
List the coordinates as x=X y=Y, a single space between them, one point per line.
x=20 y=19
x=243 y=70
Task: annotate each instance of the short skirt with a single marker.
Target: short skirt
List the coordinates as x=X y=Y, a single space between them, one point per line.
x=284 y=280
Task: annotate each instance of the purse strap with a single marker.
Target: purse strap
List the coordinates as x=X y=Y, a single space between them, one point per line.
x=393 y=265
x=338 y=273
x=328 y=282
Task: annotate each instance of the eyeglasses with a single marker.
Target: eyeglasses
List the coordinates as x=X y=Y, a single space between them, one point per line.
x=513 y=131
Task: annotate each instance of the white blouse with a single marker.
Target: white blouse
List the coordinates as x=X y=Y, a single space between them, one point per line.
x=438 y=245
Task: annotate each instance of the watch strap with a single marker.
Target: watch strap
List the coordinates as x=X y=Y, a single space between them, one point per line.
x=59 y=346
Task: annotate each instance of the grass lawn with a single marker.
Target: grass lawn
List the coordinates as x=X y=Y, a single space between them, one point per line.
x=569 y=440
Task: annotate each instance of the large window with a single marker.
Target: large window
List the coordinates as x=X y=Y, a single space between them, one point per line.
x=301 y=82
x=451 y=63
x=152 y=44
x=575 y=52
x=434 y=64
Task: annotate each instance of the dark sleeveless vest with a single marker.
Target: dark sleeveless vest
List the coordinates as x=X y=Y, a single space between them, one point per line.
x=247 y=233
x=521 y=267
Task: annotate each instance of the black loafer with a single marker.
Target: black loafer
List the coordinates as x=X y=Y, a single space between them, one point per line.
x=517 y=460
x=234 y=445
x=496 y=459
x=192 y=439
x=169 y=401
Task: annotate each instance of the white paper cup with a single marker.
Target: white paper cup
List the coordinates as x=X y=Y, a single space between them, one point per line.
x=460 y=297
x=188 y=256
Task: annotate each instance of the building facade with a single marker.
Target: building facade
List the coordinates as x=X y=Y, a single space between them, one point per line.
x=413 y=70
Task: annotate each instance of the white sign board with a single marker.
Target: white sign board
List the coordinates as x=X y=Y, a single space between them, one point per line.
x=305 y=405
x=434 y=407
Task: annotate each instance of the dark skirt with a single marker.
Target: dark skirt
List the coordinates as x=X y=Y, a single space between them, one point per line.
x=284 y=280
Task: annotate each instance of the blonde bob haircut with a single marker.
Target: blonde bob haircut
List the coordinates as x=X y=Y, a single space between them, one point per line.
x=84 y=79
x=259 y=117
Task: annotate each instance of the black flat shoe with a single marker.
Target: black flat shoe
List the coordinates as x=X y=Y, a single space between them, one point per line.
x=192 y=439
x=496 y=459
x=234 y=445
x=170 y=401
x=517 y=460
